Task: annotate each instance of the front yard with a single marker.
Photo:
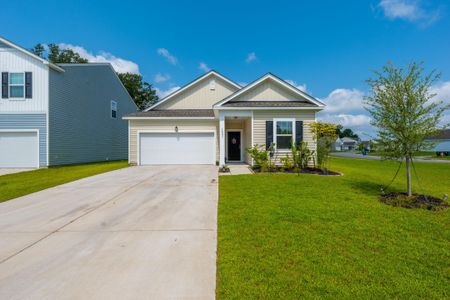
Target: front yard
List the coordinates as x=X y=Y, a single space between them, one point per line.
x=286 y=236
x=20 y=184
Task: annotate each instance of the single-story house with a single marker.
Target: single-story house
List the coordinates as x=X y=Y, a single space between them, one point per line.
x=57 y=114
x=212 y=120
x=348 y=143
x=440 y=142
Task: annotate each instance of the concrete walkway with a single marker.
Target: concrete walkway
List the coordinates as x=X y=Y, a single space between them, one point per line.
x=135 y=233
x=360 y=156
x=238 y=169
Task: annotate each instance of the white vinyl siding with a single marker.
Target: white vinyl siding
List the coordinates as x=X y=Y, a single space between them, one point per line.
x=14 y=61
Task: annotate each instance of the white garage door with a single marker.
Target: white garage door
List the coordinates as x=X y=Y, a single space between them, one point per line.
x=176 y=148
x=18 y=150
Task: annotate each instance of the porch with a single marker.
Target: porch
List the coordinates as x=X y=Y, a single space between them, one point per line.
x=235 y=137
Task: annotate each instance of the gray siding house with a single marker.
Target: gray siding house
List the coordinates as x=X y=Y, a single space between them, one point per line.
x=57 y=114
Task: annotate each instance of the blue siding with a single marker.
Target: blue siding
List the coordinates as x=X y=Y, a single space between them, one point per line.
x=29 y=121
x=80 y=123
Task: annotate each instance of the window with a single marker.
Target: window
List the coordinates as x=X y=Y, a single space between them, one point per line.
x=284 y=134
x=17 y=85
x=113 y=109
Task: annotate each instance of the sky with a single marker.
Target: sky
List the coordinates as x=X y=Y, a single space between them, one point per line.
x=328 y=48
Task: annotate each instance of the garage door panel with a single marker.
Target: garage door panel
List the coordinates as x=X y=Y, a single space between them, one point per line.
x=18 y=150
x=177 y=148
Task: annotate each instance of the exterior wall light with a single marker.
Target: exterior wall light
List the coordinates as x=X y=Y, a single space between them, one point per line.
x=176 y=128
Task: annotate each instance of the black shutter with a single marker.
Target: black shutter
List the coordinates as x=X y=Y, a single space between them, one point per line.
x=5 y=85
x=298 y=132
x=269 y=134
x=28 y=85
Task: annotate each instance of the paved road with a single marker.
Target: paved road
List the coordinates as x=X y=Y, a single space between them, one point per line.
x=355 y=155
x=135 y=233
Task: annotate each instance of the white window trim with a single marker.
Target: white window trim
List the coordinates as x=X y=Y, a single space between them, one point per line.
x=111 y=109
x=9 y=85
x=275 y=131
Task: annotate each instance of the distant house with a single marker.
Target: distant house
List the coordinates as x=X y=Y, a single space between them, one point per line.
x=349 y=143
x=56 y=114
x=338 y=145
x=441 y=142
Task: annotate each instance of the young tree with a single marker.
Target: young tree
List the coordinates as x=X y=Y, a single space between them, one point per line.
x=325 y=134
x=142 y=92
x=402 y=109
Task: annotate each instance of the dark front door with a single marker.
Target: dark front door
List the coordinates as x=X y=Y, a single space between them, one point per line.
x=234 y=145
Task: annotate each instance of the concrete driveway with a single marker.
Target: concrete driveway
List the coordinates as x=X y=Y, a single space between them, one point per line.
x=135 y=233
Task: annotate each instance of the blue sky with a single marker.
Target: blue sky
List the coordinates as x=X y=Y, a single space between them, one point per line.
x=327 y=47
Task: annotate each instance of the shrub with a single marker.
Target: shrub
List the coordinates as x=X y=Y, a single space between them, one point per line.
x=259 y=155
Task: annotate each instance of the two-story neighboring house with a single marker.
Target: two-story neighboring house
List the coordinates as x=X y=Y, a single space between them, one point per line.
x=56 y=114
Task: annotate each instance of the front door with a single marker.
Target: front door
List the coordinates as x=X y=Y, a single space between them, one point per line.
x=234 y=145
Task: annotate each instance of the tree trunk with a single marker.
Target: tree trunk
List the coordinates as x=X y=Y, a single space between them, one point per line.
x=408 y=176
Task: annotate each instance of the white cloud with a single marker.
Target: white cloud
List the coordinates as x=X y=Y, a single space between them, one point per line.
x=204 y=67
x=163 y=93
x=161 y=77
x=167 y=55
x=241 y=83
x=409 y=10
x=119 y=64
x=345 y=107
x=251 y=57
x=301 y=87
x=344 y=101
x=442 y=91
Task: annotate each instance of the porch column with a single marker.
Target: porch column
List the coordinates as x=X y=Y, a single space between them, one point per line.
x=221 y=140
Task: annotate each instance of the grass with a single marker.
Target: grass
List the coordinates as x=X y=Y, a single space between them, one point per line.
x=24 y=183
x=283 y=236
x=419 y=153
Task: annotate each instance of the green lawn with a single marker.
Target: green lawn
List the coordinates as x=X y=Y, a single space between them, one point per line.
x=20 y=184
x=283 y=236
x=431 y=155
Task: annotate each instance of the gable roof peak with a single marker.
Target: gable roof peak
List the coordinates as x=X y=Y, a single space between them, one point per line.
x=29 y=53
x=188 y=85
x=278 y=80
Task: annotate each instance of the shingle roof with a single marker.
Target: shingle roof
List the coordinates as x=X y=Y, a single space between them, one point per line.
x=442 y=135
x=186 y=113
x=268 y=104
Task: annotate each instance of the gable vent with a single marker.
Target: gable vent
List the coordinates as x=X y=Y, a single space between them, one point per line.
x=212 y=84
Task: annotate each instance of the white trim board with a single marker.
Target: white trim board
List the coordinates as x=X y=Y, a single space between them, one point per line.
x=277 y=80
x=29 y=53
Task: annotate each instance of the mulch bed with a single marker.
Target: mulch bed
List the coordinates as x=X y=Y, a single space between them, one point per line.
x=415 y=201
x=313 y=171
